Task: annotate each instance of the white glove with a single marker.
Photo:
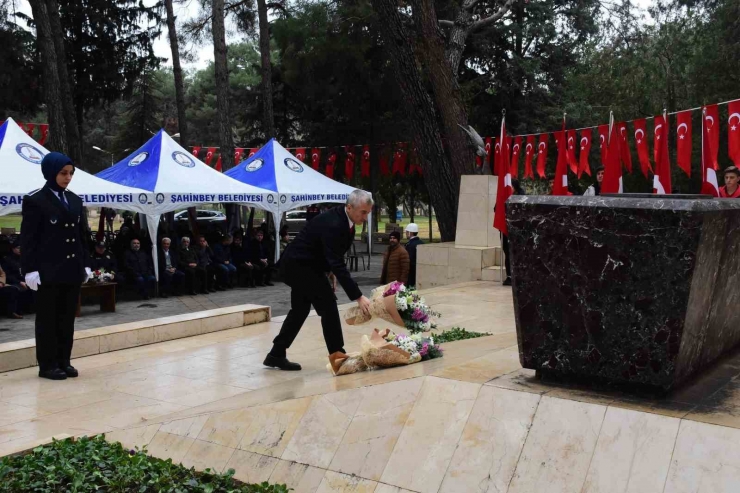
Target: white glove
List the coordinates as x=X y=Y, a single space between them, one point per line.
x=33 y=280
x=88 y=274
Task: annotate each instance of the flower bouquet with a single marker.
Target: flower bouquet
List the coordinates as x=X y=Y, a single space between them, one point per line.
x=385 y=349
x=399 y=305
x=100 y=275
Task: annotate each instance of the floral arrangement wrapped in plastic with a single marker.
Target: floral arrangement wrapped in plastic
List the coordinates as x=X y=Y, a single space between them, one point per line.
x=100 y=275
x=399 y=305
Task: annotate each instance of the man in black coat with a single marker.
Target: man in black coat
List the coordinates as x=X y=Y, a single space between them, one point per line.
x=139 y=269
x=11 y=264
x=412 y=233
x=55 y=262
x=169 y=274
x=187 y=262
x=311 y=265
x=261 y=260
x=205 y=265
x=242 y=258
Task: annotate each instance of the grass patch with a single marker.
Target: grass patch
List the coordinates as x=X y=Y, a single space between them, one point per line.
x=457 y=334
x=94 y=465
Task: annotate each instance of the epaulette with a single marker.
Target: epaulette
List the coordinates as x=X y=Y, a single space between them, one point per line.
x=35 y=191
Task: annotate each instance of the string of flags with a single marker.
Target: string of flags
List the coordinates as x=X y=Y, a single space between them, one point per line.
x=43 y=131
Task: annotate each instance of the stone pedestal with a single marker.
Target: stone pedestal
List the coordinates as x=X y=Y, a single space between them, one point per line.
x=477 y=245
x=642 y=290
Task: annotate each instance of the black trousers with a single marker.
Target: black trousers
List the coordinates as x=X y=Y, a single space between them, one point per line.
x=262 y=273
x=309 y=288
x=9 y=300
x=55 y=323
x=505 y=248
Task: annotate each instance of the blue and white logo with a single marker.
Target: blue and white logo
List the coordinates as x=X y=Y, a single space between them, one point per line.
x=254 y=165
x=138 y=159
x=270 y=199
x=293 y=165
x=160 y=198
x=29 y=153
x=142 y=198
x=183 y=159
x=283 y=199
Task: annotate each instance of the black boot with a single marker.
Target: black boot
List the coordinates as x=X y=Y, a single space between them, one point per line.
x=281 y=363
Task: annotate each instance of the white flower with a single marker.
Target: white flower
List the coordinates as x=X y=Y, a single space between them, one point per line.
x=401 y=303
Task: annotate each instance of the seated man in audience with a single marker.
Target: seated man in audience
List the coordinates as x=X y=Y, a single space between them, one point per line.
x=8 y=298
x=102 y=258
x=169 y=275
x=205 y=265
x=11 y=264
x=262 y=260
x=187 y=262
x=226 y=271
x=243 y=263
x=139 y=269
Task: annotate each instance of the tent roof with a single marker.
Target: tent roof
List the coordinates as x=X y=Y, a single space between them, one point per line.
x=277 y=170
x=20 y=160
x=179 y=179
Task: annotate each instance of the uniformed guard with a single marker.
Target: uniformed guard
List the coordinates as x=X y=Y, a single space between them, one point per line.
x=55 y=261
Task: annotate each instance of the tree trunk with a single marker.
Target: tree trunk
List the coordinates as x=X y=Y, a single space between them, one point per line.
x=456 y=39
x=268 y=117
x=441 y=177
x=182 y=126
x=52 y=88
x=74 y=144
x=226 y=140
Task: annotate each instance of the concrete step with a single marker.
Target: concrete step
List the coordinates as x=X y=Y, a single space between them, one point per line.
x=492 y=273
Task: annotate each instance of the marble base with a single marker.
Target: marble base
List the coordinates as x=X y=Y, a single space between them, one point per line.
x=442 y=264
x=475 y=212
x=642 y=290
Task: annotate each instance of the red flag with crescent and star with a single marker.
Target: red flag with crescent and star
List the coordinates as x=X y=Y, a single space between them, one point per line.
x=196 y=151
x=300 y=153
x=349 y=162
x=29 y=128
x=560 y=185
x=496 y=154
x=733 y=132
x=710 y=120
x=238 y=153
x=315 y=158
x=528 y=154
x=365 y=166
x=253 y=151
x=209 y=155
x=542 y=155
x=603 y=139
x=504 y=190
x=585 y=149
x=515 y=151
x=683 y=141
x=44 y=133
x=218 y=164
x=624 y=146
x=571 y=151
x=330 y=164
x=399 y=160
x=643 y=153
x=662 y=179
x=613 y=170
x=488 y=145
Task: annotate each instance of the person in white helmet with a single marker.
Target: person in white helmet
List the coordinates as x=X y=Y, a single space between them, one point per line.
x=412 y=234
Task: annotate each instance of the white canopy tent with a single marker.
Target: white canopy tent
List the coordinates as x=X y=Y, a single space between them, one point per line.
x=275 y=169
x=178 y=180
x=20 y=169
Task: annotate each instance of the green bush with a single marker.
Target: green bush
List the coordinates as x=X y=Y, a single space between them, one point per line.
x=457 y=334
x=94 y=465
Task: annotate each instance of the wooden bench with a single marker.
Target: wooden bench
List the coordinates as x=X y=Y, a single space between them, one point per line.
x=106 y=291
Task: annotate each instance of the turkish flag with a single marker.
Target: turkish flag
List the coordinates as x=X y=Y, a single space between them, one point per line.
x=613 y=170
x=383 y=161
x=330 y=164
x=209 y=155
x=585 y=149
x=683 y=141
x=504 y=189
x=603 y=139
x=238 y=153
x=252 y=151
x=300 y=154
x=218 y=164
x=542 y=155
x=496 y=155
x=571 y=151
x=29 y=129
x=196 y=151
x=560 y=186
x=488 y=145
x=349 y=162
x=711 y=124
x=662 y=178
x=399 y=161
x=44 y=133
x=624 y=146
x=709 y=184
x=515 y=156
x=528 y=153
x=414 y=166
x=641 y=141
x=733 y=132
x=365 y=164
x=315 y=158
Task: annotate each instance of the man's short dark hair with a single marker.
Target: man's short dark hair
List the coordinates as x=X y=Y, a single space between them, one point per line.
x=599 y=168
x=396 y=235
x=732 y=169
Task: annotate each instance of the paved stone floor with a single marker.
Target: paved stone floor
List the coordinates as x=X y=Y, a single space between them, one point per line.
x=472 y=421
x=277 y=297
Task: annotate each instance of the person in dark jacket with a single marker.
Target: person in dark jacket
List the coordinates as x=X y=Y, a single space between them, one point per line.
x=169 y=274
x=55 y=263
x=11 y=264
x=139 y=269
x=505 y=239
x=225 y=269
x=8 y=298
x=102 y=258
x=312 y=211
x=187 y=262
x=241 y=256
x=261 y=260
x=412 y=234
x=311 y=265
x=205 y=265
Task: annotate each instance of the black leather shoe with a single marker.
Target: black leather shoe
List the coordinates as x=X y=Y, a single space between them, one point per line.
x=53 y=374
x=281 y=363
x=507 y=281
x=70 y=371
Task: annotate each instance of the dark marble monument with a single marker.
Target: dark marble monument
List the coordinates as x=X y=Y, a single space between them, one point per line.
x=637 y=289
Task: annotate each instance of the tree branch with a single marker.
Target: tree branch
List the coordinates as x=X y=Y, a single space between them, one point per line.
x=445 y=23
x=493 y=18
